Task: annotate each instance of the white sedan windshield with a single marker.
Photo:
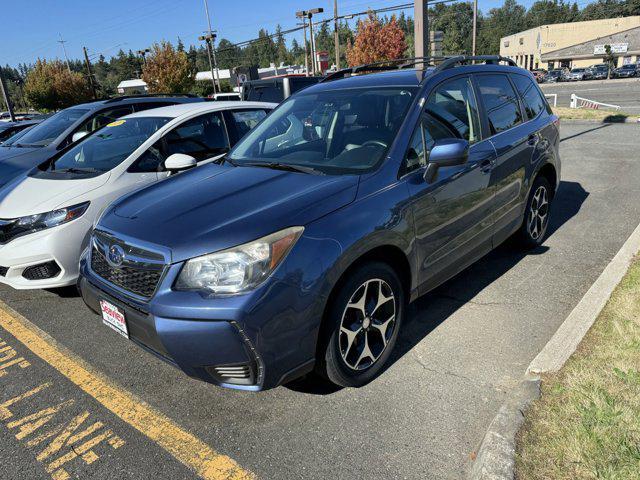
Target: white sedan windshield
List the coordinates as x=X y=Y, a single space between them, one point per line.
x=334 y=131
x=109 y=146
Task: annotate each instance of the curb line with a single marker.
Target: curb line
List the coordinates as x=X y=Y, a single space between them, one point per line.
x=496 y=454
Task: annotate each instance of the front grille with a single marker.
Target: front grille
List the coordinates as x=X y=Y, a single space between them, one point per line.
x=41 y=271
x=140 y=271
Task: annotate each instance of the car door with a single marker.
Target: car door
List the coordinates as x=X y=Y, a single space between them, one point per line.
x=203 y=137
x=515 y=141
x=452 y=214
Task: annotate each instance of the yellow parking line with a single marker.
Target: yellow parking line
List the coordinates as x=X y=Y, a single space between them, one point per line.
x=184 y=446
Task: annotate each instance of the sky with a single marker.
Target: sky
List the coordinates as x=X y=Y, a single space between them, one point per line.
x=31 y=29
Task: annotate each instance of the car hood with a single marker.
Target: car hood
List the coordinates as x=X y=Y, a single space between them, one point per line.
x=15 y=161
x=29 y=195
x=215 y=207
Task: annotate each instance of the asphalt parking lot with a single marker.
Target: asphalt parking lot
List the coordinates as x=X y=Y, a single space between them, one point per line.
x=622 y=91
x=465 y=345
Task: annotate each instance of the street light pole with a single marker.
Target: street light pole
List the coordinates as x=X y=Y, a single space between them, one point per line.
x=309 y=15
x=306 y=47
x=212 y=55
x=205 y=38
x=336 y=36
x=64 y=49
x=5 y=95
x=475 y=26
x=421 y=28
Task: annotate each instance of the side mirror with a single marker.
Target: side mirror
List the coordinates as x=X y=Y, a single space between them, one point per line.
x=179 y=161
x=78 y=136
x=446 y=153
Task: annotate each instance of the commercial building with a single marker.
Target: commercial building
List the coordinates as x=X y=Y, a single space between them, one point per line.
x=575 y=44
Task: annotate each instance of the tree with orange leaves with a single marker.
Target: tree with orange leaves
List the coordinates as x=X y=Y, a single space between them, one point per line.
x=376 y=42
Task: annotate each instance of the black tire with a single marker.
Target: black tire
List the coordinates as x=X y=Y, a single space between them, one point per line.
x=345 y=366
x=531 y=235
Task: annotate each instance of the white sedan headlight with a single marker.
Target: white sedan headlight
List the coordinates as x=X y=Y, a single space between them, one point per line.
x=240 y=268
x=18 y=227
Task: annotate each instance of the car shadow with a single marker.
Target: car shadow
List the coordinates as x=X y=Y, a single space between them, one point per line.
x=431 y=310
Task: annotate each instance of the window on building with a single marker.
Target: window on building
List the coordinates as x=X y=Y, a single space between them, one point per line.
x=521 y=41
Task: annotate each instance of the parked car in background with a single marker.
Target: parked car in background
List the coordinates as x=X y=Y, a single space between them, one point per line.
x=539 y=74
x=599 y=71
x=553 y=76
x=71 y=124
x=8 y=129
x=276 y=89
x=301 y=249
x=575 y=74
x=625 y=71
x=48 y=214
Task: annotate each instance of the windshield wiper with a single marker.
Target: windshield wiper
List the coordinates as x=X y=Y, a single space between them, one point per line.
x=225 y=159
x=285 y=166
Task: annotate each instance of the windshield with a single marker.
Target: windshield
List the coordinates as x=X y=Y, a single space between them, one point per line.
x=14 y=137
x=577 y=70
x=629 y=67
x=107 y=147
x=46 y=132
x=334 y=132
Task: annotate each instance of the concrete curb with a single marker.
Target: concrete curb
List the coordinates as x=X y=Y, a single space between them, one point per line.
x=496 y=455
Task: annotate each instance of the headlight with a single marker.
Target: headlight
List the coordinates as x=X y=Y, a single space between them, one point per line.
x=34 y=223
x=238 y=269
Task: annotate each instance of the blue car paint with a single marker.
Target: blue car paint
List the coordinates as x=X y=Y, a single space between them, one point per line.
x=418 y=225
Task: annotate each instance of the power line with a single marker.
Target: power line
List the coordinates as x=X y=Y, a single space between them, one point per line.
x=348 y=16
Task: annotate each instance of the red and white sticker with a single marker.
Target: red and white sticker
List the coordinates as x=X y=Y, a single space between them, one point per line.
x=114 y=318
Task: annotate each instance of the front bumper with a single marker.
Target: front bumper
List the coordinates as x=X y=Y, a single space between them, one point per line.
x=270 y=333
x=60 y=246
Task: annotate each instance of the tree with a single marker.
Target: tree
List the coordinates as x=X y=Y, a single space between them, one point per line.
x=456 y=21
x=167 y=70
x=50 y=86
x=508 y=19
x=609 y=59
x=375 y=42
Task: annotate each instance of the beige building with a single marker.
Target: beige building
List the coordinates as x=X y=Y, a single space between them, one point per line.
x=575 y=44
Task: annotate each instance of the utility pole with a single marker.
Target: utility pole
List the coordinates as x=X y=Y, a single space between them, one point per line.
x=306 y=49
x=475 y=26
x=421 y=27
x=207 y=39
x=92 y=84
x=308 y=14
x=336 y=34
x=5 y=95
x=64 y=49
x=212 y=54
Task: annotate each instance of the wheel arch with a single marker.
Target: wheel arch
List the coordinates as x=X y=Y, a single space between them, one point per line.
x=390 y=254
x=549 y=172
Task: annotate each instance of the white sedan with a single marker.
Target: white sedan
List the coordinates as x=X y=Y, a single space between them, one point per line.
x=46 y=216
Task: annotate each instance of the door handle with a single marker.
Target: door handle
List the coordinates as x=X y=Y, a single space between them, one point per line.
x=486 y=165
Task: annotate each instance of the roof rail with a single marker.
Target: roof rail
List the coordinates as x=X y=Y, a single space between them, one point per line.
x=440 y=63
x=381 y=66
x=462 y=59
x=150 y=95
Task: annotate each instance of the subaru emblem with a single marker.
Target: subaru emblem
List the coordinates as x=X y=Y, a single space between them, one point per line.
x=115 y=256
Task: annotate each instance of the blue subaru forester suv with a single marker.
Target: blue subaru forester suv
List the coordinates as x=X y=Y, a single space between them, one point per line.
x=301 y=249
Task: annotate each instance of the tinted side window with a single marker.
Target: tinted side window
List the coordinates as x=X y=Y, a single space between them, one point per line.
x=105 y=117
x=500 y=102
x=245 y=120
x=140 y=107
x=201 y=137
x=533 y=101
x=427 y=133
x=453 y=105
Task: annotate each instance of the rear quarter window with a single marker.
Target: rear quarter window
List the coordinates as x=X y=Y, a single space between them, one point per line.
x=500 y=102
x=532 y=98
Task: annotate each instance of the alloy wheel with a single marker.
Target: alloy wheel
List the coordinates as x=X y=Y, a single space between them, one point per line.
x=367 y=324
x=538 y=213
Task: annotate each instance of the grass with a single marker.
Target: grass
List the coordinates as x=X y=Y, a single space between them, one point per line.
x=587 y=114
x=586 y=424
